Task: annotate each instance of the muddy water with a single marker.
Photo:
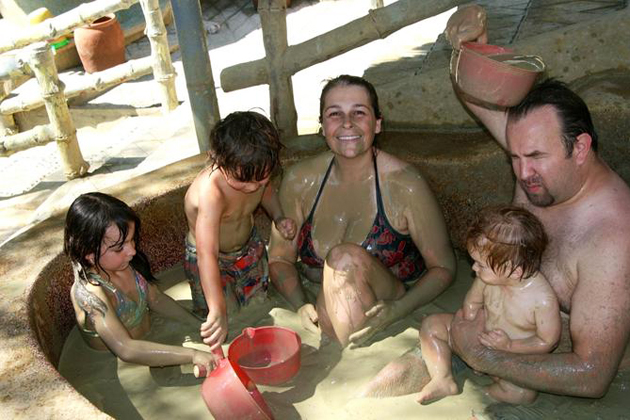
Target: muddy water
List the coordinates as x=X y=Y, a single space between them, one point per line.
x=326 y=386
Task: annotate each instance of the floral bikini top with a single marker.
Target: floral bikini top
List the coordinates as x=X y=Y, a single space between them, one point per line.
x=129 y=311
x=396 y=251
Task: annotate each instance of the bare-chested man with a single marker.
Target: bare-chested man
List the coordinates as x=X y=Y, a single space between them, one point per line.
x=585 y=209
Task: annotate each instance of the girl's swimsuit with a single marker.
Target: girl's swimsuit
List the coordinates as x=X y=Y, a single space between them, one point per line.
x=129 y=311
x=396 y=251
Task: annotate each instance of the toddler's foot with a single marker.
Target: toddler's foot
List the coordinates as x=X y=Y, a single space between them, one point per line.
x=510 y=394
x=436 y=390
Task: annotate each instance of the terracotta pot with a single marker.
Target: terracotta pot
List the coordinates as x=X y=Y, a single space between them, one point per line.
x=101 y=44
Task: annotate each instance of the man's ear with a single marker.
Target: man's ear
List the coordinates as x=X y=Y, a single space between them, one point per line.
x=582 y=147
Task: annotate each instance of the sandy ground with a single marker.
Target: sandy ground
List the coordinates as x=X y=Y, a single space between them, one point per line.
x=327 y=385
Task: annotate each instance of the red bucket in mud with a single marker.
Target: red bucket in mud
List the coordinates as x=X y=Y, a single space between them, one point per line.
x=230 y=394
x=269 y=355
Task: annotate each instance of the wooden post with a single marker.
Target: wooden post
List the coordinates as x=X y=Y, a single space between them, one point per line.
x=377 y=3
x=7 y=123
x=274 y=27
x=163 y=71
x=78 y=84
x=378 y=24
x=42 y=62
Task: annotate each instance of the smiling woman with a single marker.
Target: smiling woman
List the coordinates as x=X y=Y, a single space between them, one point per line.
x=371 y=233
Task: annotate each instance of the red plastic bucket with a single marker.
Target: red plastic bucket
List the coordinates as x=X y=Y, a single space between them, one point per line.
x=230 y=394
x=269 y=355
x=494 y=74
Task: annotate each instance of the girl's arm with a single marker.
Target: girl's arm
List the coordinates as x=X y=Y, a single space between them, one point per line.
x=116 y=337
x=163 y=304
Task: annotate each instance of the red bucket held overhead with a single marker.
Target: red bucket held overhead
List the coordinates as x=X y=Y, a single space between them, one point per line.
x=494 y=74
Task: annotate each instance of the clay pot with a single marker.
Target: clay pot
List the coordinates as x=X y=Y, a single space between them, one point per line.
x=101 y=44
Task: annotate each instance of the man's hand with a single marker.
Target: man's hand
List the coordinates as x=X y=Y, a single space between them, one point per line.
x=286 y=227
x=467 y=24
x=214 y=329
x=465 y=338
x=496 y=340
x=378 y=317
x=308 y=315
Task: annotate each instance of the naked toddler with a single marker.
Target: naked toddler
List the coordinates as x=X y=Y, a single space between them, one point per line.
x=520 y=307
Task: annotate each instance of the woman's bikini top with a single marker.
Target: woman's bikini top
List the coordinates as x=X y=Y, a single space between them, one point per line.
x=396 y=251
x=129 y=311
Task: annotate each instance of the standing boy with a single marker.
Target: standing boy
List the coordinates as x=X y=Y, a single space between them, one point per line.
x=225 y=256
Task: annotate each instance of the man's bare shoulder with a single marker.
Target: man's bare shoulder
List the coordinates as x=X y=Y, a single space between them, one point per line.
x=609 y=215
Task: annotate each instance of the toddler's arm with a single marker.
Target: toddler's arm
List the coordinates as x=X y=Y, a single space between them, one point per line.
x=474 y=299
x=271 y=203
x=548 y=329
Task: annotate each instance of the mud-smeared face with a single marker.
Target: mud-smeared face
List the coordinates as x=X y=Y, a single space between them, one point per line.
x=348 y=121
x=117 y=252
x=542 y=169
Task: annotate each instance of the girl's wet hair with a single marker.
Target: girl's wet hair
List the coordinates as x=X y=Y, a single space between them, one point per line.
x=246 y=145
x=88 y=218
x=508 y=237
x=347 y=80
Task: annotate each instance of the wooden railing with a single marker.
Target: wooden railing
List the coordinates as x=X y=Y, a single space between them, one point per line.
x=283 y=61
x=35 y=58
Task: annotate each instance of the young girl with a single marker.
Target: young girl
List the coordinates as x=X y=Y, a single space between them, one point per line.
x=111 y=293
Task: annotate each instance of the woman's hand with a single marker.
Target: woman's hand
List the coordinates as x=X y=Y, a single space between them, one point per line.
x=309 y=317
x=378 y=317
x=467 y=24
x=214 y=329
x=286 y=227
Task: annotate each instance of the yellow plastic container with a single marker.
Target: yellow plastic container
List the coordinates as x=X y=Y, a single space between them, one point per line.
x=40 y=15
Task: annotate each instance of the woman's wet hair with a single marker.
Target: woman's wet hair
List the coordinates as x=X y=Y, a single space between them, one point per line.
x=245 y=145
x=508 y=237
x=573 y=113
x=347 y=80
x=87 y=220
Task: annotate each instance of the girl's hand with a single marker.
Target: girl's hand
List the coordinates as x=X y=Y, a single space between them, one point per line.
x=309 y=317
x=286 y=227
x=207 y=361
x=214 y=329
x=496 y=339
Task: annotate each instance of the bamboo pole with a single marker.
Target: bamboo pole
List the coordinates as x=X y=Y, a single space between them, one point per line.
x=63 y=24
x=7 y=123
x=163 y=71
x=76 y=85
x=42 y=62
x=274 y=27
x=36 y=136
x=378 y=24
